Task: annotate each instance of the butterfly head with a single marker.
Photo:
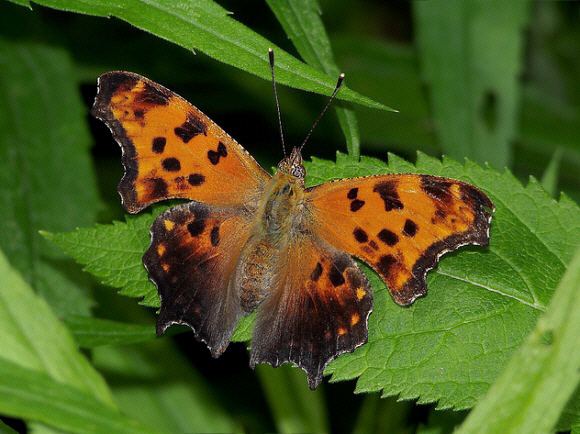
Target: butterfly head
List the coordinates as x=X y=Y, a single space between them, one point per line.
x=292 y=164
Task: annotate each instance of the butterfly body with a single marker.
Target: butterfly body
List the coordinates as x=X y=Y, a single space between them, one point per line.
x=278 y=221
x=247 y=241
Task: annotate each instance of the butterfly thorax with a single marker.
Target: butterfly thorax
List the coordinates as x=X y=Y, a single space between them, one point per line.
x=279 y=220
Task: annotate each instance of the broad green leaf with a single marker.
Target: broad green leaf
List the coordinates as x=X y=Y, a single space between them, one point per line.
x=113 y=254
x=473 y=73
x=534 y=387
x=296 y=408
x=205 y=26
x=31 y=336
x=32 y=395
x=46 y=181
x=91 y=332
x=302 y=23
x=447 y=347
x=153 y=383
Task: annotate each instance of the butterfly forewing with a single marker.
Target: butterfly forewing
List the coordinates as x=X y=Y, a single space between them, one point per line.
x=400 y=224
x=170 y=148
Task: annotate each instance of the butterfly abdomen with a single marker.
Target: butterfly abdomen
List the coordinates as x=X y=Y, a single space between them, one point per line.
x=279 y=214
x=256 y=272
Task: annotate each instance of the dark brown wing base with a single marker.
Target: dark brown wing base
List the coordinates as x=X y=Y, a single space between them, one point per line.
x=192 y=275
x=317 y=312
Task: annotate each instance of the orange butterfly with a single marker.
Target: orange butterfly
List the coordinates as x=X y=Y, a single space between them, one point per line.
x=247 y=240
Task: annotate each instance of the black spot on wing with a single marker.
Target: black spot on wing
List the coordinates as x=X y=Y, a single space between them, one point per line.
x=215 y=236
x=190 y=128
x=196 y=179
x=387 y=190
x=214 y=156
x=356 y=204
x=360 y=235
x=352 y=193
x=388 y=237
x=171 y=164
x=158 y=145
x=410 y=228
x=196 y=227
x=139 y=113
x=316 y=273
x=335 y=274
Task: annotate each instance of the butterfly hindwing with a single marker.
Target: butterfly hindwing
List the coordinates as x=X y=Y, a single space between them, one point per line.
x=170 y=148
x=317 y=309
x=400 y=224
x=192 y=259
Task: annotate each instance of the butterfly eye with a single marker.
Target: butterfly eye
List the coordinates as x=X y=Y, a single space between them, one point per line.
x=298 y=171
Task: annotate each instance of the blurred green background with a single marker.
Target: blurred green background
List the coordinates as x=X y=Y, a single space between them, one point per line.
x=497 y=84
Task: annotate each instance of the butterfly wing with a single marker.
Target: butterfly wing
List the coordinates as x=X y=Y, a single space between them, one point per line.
x=170 y=148
x=192 y=259
x=400 y=224
x=317 y=309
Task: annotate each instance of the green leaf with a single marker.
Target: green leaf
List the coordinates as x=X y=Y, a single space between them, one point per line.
x=91 y=332
x=550 y=176
x=474 y=88
x=113 y=254
x=302 y=23
x=295 y=408
x=31 y=336
x=378 y=415
x=442 y=422
x=243 y=332
x=205 y=26
x=536 y=384
x=47 y=180
x=154 y=384
x=32 y=395
x=447 y=347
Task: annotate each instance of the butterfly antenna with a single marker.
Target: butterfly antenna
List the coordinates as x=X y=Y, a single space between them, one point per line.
x=271 y=56
x=336 y=89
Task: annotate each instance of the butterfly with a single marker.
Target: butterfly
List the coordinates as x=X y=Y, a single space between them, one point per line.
x=249 y=241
